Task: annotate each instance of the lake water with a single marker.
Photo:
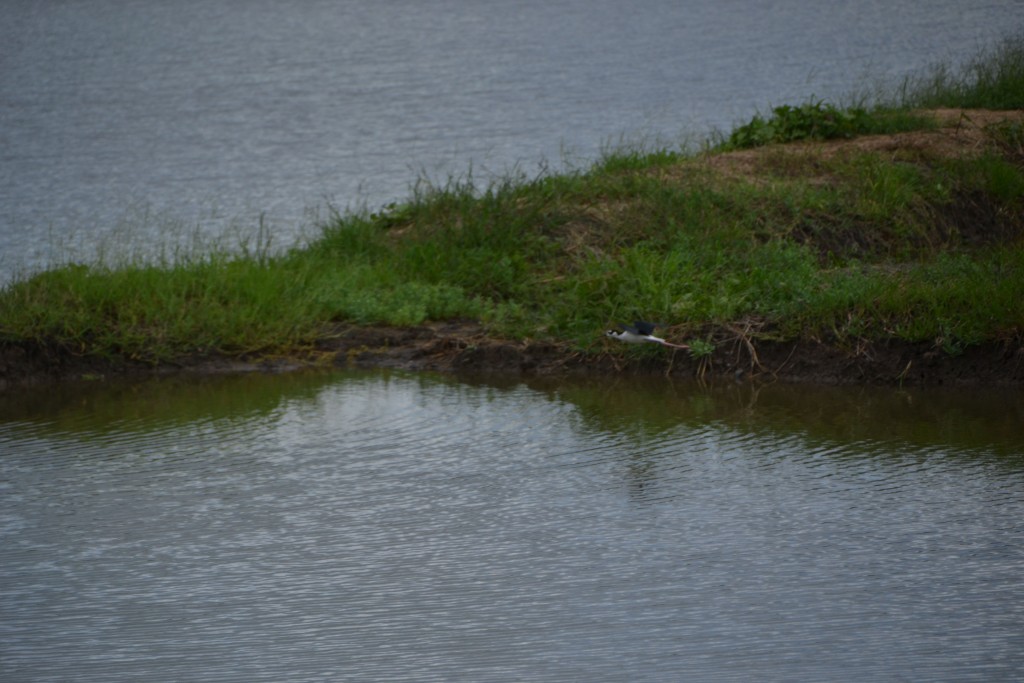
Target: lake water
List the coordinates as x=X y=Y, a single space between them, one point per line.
x=143 y=122
x=381 y=526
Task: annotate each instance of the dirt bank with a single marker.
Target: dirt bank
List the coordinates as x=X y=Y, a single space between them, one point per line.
x=463 y=347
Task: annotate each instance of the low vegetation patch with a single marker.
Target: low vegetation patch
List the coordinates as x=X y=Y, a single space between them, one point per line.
x=818 y=120
x=840 y=225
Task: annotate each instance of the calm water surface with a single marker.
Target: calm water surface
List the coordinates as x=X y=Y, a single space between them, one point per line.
x=138 y=122
x=375 y=526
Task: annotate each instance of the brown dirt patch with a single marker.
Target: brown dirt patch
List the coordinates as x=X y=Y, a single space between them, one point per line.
x=968 y=219
x=961 y=133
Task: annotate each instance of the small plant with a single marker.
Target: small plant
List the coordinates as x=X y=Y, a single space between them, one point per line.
x=700 y=348
x=949 y=343
x=818 y=120
x=811 y=121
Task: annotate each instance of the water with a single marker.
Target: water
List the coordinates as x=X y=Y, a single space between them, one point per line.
x=376 y=526
x=141 y=123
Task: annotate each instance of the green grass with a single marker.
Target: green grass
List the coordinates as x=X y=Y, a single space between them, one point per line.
x=992 y=79
x=860 y=245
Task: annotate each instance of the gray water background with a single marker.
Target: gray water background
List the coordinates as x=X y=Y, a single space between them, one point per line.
x=147 y=123
x=372 y=526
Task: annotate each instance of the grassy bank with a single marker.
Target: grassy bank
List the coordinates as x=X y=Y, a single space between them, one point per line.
x=794 y=225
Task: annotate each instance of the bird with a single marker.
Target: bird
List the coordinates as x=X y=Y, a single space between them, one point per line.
x=640 y=332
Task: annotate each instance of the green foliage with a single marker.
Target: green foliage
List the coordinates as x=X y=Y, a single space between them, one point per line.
x=810 y=121
x=699 y=348
x=817 y=120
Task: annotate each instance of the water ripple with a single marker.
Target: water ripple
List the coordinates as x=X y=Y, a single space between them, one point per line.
x=392 y=528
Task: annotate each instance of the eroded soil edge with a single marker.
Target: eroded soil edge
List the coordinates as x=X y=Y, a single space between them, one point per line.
x=463 y=347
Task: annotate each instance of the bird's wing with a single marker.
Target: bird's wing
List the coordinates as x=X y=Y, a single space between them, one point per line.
x=644 y=328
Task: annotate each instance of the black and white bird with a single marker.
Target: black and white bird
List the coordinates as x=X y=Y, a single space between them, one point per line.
x=640 y=332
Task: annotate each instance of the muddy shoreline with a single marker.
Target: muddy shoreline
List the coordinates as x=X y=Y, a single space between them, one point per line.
x=464 y=347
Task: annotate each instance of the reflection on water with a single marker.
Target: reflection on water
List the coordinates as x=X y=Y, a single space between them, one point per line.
x=368 y=526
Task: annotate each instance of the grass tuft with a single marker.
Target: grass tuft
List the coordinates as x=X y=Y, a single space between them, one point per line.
x=992 y=79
